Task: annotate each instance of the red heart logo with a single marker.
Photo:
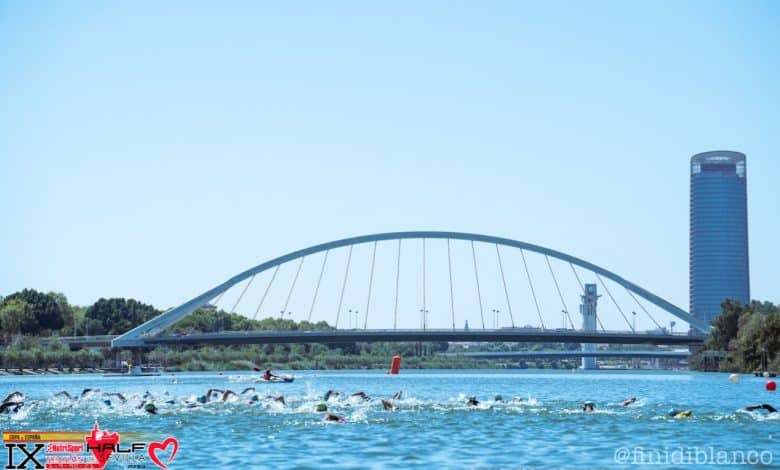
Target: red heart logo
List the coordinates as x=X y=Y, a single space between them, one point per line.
x=155 y=446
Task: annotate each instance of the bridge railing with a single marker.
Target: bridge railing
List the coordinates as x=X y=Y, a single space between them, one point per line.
x=550 y=331
x=79 y=339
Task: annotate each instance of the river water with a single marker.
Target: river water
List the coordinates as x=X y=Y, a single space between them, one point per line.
x=432 y=427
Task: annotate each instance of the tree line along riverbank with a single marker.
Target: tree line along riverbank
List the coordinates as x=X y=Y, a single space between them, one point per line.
x=744 y=338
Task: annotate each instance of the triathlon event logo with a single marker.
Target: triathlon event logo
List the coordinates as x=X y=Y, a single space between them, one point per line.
x=74 y=450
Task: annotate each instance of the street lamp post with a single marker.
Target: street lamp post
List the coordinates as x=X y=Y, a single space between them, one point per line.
x=424 y=318
x=357 y=313
x=671 y=326
x=563 y=318
x=633 y=327
x=496 y=312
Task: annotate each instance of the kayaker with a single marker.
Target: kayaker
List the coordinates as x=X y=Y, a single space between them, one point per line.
x=268 y=375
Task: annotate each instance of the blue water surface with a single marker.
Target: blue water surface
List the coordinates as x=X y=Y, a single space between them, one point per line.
x=538 y=423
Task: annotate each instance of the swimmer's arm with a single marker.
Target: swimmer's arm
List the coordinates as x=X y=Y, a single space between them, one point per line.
x=64 y=394
x=118 y=395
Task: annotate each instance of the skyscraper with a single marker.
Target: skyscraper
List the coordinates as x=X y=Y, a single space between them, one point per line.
x=719 y=266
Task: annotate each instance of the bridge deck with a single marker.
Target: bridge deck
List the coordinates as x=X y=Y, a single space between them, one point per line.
x=572 y=354
x=347 y=336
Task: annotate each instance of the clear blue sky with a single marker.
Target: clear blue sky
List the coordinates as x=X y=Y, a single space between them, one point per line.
x=151 y=149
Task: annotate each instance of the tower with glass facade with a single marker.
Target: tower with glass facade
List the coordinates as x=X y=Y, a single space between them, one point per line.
x=719 y=266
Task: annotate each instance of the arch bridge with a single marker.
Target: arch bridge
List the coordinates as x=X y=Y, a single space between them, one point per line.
x=154 y=332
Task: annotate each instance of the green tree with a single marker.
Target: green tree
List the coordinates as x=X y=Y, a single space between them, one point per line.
x=747 y=333
x=65 y=308
x=12 y=314
x=725 y=326
x=117 y=315
x=45 y=309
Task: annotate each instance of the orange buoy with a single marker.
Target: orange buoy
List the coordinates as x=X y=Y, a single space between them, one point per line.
x=395 y=365
x=771 y=385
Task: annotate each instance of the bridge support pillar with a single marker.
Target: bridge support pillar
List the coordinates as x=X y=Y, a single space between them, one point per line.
x=136 y=369
x=588 y=311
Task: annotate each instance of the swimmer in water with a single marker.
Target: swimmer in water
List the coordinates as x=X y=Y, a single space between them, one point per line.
x=764 y=406
x=397 y=396
x=148 y=406
x=279 y=399
x=330 y=393
x=87 y=391
x=630 y=401
x=472 y=401
x=388 y=406
x=207 y=397
x=680 y=413
x=323 y=408
x=588 y=407
x=333 y=418
x=361 y=394
x=12 y=403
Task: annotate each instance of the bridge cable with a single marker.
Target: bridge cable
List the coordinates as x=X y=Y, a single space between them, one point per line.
x=452 y=297
x=397 y=280
x=565 y=308
x=370 y=284
x=643 y=308
x=268 y=288
x=476 y=276
x=615 y=302
x=292 y=287
x=503 y=281
x=582 y=287
x=233 y=310
x=424 y=305
x=344 y=285
x=317 y=289
x=533 y=292
x=218 y=298
x=598 y=319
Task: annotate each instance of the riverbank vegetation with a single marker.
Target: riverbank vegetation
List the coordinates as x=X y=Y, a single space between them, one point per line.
x=31 y=322
x=744 y=338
